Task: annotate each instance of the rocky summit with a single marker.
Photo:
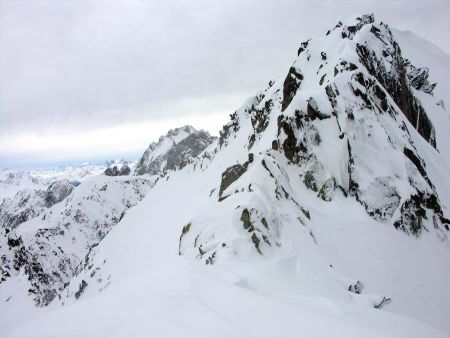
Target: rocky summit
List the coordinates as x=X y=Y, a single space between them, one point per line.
x=173 y=150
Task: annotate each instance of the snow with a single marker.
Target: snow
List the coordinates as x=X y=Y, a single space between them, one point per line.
x=181 y=263
x=155 y=291
x=11 y=181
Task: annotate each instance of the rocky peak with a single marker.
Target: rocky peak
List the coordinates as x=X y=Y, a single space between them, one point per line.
x=116 y=170
x=57 y=191
x=173 y=150
x=349 y=118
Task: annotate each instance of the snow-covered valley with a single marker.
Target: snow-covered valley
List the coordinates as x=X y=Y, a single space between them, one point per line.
x=322 y=210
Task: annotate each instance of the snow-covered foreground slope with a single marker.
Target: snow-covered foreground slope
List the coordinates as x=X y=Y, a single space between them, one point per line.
x=142 y=287
x=322 y=211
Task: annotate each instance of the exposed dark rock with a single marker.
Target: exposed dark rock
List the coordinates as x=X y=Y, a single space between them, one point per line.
x=264 y=222
x=229 y=176
x=322 y=79
x=381 y=95
x=256 y=241
x=382 y=303
x=13 y=242
x=275 y=145
x=313 y=110
x=399 y=87
x=418 y=79
x=245 y=218
x=356 y=287
x=260 y=117
x=184 y=231
x=306 y=213
x=81 y=289
x=291 y=84
x=230 y=127
x=418 y=163
x=303 y=46
x=310 y=180
x=116 y=170
x=326 y=192
x=292 y=151
x=349 y=31
x=263 y=162
x=412 y=215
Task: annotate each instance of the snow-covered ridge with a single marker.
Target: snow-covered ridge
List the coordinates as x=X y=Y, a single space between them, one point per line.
x=31 y=221
x=11 y=181
x=51 y=247
x=321 y=210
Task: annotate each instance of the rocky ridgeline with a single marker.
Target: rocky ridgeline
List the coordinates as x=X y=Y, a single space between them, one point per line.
x=30 y=203
x=49 y=248
x=345 y=121
x=173 y=150
x=49 y=234
x=115 y=170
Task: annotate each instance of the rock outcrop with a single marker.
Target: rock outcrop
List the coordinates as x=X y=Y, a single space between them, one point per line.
x=173 y=150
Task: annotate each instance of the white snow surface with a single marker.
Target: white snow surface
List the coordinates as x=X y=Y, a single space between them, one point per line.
x=11 y=181
x=148 y=276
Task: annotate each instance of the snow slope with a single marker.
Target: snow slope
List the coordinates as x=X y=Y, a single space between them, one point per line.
x=147 y=288
x=321 y=211
x=50 y=248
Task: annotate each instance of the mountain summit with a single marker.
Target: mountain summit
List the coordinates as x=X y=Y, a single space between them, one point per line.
x=173 y=150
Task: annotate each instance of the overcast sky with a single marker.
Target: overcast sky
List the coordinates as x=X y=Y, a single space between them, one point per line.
x=87 y=80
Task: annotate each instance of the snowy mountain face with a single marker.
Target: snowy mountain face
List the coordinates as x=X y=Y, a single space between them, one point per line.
x=322 y=210
x=50 y=248
x=11 y=181
x=173 y=151
x=29 y=203
x=35 y=235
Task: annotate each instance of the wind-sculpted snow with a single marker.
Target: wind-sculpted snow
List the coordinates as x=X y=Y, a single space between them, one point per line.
x=321 y=210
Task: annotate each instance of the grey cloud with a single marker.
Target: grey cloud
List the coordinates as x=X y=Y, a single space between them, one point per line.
x=85 y=64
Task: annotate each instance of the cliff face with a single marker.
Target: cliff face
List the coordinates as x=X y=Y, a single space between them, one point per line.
x=173 y=150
